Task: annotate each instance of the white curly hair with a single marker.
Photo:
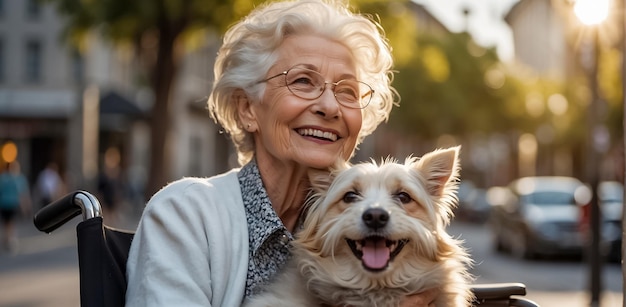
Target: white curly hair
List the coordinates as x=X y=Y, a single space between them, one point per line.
x=249 y=51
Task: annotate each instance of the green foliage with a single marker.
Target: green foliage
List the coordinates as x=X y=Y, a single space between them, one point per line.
x=398 y=23
x=611 y=91
x=452 y=86
x=123 y=20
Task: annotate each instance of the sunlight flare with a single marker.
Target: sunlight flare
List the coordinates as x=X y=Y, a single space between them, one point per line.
x=591 y=12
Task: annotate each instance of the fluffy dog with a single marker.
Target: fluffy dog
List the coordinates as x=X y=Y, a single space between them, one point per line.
x=375 y=233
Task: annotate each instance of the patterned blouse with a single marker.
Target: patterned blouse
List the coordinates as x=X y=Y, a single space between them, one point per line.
x=269 y=238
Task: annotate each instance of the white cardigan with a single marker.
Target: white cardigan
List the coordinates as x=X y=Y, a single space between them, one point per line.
x=191 y=246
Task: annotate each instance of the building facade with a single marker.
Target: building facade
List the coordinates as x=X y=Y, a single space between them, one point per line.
x=68 y=107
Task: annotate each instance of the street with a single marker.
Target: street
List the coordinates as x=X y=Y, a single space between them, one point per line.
x=549 y=282
x=44 y=272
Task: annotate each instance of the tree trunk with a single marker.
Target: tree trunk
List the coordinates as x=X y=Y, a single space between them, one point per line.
x=162 y=76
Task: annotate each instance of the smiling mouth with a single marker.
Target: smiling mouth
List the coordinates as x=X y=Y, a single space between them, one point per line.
x=329 y=136
x=376 y=252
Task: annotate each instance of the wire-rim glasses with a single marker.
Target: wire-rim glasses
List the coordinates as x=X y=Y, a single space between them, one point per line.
x=309 y=84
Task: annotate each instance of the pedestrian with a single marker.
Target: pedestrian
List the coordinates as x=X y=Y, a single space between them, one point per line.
x=298 y=85
x=14 y=200
x=49 y=185
x=111 y=185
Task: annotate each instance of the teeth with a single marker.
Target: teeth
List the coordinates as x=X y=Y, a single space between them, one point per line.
x=318 y=133
x=392 y=245
x=395 y=247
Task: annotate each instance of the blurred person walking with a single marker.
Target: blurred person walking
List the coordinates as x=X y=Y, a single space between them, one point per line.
x=111 y=185
x=49 y=185
x=14 y=196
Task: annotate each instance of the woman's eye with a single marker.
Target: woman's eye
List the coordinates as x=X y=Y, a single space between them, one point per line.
x=346 y=90
x=347 y=93
x=350 y=197
x=403 y=197
x=302 y=81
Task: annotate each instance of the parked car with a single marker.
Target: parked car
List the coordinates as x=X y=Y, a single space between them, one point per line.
x=473 y=206
x=535 y=216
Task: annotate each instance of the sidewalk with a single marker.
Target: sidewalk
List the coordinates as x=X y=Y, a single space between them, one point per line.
x=31 y=240
x=572 y=299
x=43 y=270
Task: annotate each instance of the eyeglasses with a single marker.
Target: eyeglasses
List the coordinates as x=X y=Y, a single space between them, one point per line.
x=309 y=84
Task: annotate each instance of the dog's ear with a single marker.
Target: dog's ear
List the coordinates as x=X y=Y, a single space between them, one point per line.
x=441 y=171
x=321 y=179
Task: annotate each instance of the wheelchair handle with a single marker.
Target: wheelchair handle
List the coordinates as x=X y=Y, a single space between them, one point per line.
x=59 y=212
x=499 y=290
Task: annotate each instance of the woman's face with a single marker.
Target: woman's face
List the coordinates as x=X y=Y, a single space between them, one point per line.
x=314 y=133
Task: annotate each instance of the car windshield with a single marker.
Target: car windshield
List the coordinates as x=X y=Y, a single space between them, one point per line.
x=549 y=198
x=615 y=199
x=611 y=193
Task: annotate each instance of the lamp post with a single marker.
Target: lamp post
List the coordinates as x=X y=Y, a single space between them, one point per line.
x=621 y=6
x=595 y=259
x=592 y=13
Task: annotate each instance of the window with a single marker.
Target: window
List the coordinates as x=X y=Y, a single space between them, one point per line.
x=33 y=9
x=33 y=62
x=78 y=66
x=2 y=60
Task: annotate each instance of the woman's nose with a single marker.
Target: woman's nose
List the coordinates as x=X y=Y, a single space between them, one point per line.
x=327 y=104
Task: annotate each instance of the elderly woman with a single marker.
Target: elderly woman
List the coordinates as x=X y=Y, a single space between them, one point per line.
x=298 y=85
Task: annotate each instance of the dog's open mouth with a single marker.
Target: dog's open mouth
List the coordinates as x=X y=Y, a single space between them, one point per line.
x=376 y=252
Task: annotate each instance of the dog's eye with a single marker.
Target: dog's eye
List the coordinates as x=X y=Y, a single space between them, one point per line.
x=350 y=197
x=403 y=197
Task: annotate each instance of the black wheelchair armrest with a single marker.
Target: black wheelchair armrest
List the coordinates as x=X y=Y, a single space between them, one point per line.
x=498 y=290
x=500 y=295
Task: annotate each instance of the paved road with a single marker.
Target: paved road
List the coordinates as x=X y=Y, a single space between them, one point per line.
x=44 y=272
x=550 y=282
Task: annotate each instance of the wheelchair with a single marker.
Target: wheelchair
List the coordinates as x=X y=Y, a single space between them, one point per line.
x=103 y=251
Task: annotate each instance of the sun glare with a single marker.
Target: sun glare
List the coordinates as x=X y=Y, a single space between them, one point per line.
x=591 y=12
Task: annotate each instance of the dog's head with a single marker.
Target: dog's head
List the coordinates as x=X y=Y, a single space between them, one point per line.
x=381 y=220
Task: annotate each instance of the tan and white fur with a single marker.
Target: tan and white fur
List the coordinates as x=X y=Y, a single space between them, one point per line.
x=375 y=233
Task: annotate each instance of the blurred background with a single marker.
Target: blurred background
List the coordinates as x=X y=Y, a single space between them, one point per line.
x=110 y=97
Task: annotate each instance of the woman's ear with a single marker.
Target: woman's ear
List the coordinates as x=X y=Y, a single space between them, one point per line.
x=244 y=108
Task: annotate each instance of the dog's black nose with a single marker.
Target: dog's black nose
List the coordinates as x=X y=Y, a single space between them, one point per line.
x=375 y=218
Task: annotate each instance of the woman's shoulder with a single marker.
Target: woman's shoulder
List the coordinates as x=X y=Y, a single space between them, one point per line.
x=222 y=182
x=198 y=194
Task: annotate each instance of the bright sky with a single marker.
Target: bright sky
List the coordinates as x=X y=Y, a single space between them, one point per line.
x=485 y=21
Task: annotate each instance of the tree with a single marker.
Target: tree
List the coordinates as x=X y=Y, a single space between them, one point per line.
x=170 y=25
x=452 y=86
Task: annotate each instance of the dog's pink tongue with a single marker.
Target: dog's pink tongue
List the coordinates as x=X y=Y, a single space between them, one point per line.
x=375 y=253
